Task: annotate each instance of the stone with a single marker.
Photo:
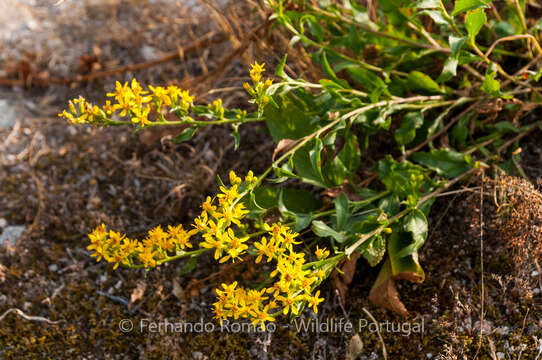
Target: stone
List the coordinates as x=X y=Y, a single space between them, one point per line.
x=7 y=115
x=11 y=234
x=53 y=267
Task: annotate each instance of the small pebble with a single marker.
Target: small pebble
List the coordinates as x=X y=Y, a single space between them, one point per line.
x=11 y=234
x=3 y=223
x=500 y=355
x=196 y=355
x=503 y=330
x=429 y=355
x=53 y=267
x=533 y=274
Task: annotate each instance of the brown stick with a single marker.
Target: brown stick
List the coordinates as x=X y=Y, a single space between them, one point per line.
x=205 y=41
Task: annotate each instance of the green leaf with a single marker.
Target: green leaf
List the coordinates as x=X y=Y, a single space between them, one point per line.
x=266 y=197
x=390 y=205
x=416 y=223
x=404 y=266
x=316 y=158
x=330 y=73
x=300 y=201
x=397 y=177
x=342 y=210
x=321 y=229
x=280 y=68
x=304 y=168
x=236 y=136
x=456 y=43
x=418 y=81
x=189 y=266
x=466 y=5
x=369 y=80
x=506 y=126
x=474 y=21
x=374 y=252
x=407 y=132
x=437 y=16
x=461 y=130
x=427 y=4
x=289 y=121
x=448 y=163
x=185 y=135
x=449 y=70
x=491 y=86
x=302 y=221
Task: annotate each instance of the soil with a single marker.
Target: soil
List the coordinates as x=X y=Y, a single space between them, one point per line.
x=60 y=181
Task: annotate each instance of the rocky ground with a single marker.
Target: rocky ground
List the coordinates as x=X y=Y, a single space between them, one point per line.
x=59 y=181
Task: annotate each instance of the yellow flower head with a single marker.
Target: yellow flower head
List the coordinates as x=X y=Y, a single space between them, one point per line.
x=321 y=253
x=256 y=71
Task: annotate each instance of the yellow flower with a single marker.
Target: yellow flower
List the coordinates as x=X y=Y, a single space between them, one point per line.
x=98 y=235
x=147 y=257
x=117 y=257
x=289 y=303
x=100 y=251
x=320 y=274
x=250 y=179
x=261 y=316
x=156 y=235
x=136 y=88
x=229 y=195
x=161 y=95
x=256 y=71
x=180 y=236
x=234 y=179
x=314 y=301
x=321 y=253
x=212 y=242
x=201 y=222
x=265 y=248
x=208 y=205
x=129 y=246
x=108 y=108
x=142 y=116
x=124 y=103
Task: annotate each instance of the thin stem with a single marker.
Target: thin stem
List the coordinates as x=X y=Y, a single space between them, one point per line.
x=344 y=19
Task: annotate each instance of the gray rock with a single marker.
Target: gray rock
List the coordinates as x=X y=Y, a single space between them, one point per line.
x=7 y=114
x=3 y=223
x=53 y=267
x=197 y=355
x=11 y=234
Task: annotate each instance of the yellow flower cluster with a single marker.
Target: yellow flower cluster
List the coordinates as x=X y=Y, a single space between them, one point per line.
x=117 y=248
x=132 y=101
x=291 y=290
x=214 y=223
x=259 y=86
x=219 y=225
x=81 y=112
x=219 y=214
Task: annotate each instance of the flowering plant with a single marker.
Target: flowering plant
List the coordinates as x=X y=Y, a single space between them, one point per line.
x=421 y=89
